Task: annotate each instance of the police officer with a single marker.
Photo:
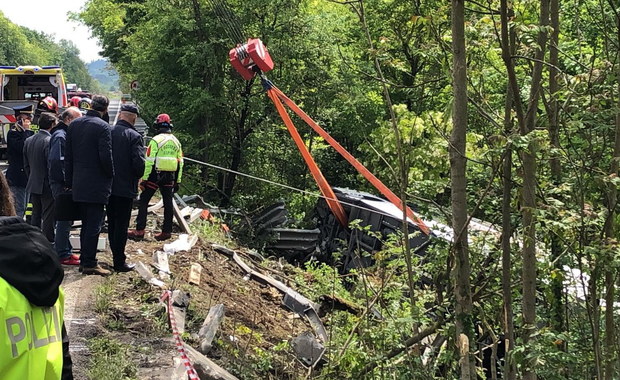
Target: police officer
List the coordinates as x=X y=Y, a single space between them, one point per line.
x=15 y=173
x=33 y=340
x=164 y=168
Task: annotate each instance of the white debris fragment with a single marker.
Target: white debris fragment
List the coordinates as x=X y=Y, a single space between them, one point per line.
x=183 y=243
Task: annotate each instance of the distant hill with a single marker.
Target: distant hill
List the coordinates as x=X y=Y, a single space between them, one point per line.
x=102 y=71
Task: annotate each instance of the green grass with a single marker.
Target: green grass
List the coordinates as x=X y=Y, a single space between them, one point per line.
x=103 y=295
x=110 y=360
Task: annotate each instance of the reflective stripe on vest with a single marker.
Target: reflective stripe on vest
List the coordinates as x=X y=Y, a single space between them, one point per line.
x=167 y=152
x=30 y=337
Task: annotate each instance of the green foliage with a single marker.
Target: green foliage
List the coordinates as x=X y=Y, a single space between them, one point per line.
x=178 y=52
x=20 y=46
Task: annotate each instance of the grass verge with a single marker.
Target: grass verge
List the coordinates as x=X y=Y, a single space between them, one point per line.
x=110 y=360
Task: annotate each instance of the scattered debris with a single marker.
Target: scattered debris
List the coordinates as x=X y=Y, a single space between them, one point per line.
x=210 y=326
x=160 y=262
x=152 y=208
x=185 y=242
x=293 y=300
x=207 y=369
x=75 y=243
x=195 y=214
x=147 y=275
x=308 y=349
x=194 y=274
x=180 y=219
x=180 y=302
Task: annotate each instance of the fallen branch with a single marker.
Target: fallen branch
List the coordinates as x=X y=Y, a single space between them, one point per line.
x=408 y=343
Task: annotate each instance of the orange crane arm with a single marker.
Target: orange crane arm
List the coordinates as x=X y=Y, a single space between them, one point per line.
x=352 y=160
x=326 y=190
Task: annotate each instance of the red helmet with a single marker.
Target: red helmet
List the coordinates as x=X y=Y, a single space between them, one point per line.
x=162 y=118
x=49 y=104
x=163 y=121
x=75 y=101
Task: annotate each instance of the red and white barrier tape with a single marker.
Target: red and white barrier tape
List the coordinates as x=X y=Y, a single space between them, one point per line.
x=191 y=372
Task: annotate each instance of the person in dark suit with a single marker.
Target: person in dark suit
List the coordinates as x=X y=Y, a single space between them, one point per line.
x=56 y=165
x=89 y=170
x=15 y=174
x=128 y=154
x=36 y=150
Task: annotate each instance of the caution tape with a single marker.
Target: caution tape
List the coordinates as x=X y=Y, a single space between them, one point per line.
x=189 y=368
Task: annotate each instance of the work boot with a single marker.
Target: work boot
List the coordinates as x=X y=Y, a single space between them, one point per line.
x=135 y=234
x=96 y=270
x=162 y=236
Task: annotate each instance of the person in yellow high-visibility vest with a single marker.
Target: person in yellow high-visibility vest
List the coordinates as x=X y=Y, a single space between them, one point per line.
x=163 y=171
x=33 y=340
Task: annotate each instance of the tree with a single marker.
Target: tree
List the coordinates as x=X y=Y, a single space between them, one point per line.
x=458 y=182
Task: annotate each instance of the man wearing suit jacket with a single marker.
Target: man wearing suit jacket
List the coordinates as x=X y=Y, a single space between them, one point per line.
x=36 y=150
x=128 y=153
x=88 y=172
x=56 y=164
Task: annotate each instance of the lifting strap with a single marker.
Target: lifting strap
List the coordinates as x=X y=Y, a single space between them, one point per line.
x=326 y=190
x=273 y=91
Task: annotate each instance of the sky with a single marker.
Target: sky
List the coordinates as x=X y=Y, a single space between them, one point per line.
x=51 y=17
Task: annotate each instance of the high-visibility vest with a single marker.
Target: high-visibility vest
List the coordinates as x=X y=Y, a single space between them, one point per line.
x=30 y=337
x=164 y=153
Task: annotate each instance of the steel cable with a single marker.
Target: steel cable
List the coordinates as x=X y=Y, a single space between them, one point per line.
x=306 y=192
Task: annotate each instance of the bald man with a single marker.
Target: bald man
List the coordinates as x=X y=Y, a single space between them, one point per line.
x=56 y=164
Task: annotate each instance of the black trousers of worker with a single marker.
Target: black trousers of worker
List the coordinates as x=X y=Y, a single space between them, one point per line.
x=43 y=213
x=89 y=235
x=119 y=213
x=164 y=181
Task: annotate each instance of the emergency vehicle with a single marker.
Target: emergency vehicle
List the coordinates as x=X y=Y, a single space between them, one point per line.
x=24 y=85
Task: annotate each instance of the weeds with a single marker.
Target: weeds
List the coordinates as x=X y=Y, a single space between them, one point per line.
x=104 y=294
x=111 y=360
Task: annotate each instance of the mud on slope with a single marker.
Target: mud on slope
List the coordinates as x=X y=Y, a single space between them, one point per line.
x=252 y=341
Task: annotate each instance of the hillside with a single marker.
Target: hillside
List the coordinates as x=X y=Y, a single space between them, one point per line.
x=101 y=71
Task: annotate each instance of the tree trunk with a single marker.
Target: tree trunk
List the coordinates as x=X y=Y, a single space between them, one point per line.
x=529 y=196
x=527 y=123
x=557 y=300
x=509 y=329
x=610 y=272
x=458 y=181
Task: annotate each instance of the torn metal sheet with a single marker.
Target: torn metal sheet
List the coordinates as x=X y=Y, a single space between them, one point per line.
x=209 y=327
x=308 y=349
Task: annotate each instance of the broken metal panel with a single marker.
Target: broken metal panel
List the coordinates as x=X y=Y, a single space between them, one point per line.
x=308 y=350
x=273 y=216
x=209 y=327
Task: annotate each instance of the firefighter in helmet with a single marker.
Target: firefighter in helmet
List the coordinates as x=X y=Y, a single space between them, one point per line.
x=164 y=168
x=48 y=104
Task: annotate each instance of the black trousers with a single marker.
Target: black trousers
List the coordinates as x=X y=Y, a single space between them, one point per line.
x=43 y=213
x=165 y=183
x=92 y=213
x=119 y=213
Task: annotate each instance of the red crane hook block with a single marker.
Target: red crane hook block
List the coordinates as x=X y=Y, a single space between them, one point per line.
x=251 y=57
